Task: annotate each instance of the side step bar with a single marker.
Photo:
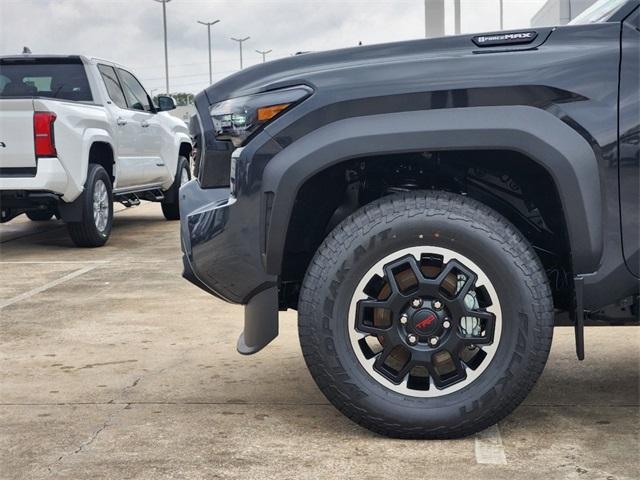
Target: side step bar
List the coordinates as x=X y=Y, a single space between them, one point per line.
x=133 y=198
x=128 y=200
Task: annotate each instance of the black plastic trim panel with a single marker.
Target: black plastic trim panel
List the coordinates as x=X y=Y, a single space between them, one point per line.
x=564 y=153
x=18 y=172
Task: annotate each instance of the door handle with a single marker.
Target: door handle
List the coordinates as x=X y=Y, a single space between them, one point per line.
x=144 y=124
x=121 y=121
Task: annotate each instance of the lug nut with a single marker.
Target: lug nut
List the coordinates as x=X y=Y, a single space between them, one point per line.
x=404 y=319
x=412 y=339
x=446 y=324
x=433 y=341
x=416 y=303
x=437 y=304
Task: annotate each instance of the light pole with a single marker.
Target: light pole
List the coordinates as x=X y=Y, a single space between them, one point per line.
x=456 y=13
x=166 y=54
x=434 y=12
x=264 y=54
x=240 y=42
x=209 y=25
x=501 y=14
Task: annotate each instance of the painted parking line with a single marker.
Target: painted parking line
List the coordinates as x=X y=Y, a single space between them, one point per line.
x=47 y=286
x=54 y=262
x=489 y=449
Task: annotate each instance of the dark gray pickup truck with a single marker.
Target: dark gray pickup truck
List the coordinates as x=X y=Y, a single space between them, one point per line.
x=430 y=208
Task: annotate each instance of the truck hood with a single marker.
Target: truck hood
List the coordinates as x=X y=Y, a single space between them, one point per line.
x=302 y=68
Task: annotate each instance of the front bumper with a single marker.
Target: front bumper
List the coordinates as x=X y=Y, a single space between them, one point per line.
x=221 y=255
x=220 y=242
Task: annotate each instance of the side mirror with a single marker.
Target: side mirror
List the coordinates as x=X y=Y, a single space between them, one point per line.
x=165 y=103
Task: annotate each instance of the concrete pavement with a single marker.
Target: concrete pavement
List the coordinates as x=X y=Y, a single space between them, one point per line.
x=114 y=367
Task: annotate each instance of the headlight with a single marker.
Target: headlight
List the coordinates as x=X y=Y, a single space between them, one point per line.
x=238 y=118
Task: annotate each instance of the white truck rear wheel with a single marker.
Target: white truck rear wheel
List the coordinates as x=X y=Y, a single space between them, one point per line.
x=97 y=210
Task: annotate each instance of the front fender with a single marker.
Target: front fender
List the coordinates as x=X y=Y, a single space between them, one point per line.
x=171 y=151
x=536 y=133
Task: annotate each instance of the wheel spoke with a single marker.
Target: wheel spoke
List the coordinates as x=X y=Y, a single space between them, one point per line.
x=454 y=374
x=456 y=268
x=484 y=332
x=392 y=368
x=404 y=275
x=374 y=317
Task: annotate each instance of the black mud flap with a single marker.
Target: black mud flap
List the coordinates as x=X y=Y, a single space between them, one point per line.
x=578 y=317
x=72 y=212
x=260 y=322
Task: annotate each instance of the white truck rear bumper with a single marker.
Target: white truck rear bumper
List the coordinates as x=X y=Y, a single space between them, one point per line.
x=50 y=176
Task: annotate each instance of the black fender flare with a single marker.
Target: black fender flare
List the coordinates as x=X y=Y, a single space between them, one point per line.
x=536 y=133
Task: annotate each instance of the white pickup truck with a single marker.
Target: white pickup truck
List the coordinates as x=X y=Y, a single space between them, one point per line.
x=77 y=134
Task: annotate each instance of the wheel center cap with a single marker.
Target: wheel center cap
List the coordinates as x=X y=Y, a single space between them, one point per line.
x=425 y=321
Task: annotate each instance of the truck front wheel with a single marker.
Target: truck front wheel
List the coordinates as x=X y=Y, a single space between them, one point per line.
x=425 y=315
x=97 y=210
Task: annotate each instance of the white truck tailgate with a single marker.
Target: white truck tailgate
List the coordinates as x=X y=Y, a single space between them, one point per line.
x=16 y=133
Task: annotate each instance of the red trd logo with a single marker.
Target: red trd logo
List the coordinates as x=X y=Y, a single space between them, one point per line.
x=426 y=322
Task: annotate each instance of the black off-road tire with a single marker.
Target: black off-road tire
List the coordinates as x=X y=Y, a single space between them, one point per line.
x=171 y=205
x=436 y=219
x=86 y=233
x=40 y=215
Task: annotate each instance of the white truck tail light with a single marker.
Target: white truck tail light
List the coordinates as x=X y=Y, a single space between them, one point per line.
x=44 y=140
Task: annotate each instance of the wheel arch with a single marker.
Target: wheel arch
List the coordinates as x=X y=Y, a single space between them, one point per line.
x=185 y=149
x=532 y=133
x=182 y=147
x=77 y=163
x=102 y=154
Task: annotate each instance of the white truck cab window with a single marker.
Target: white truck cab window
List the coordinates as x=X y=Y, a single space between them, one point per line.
x=113 y=85
x=134 y=92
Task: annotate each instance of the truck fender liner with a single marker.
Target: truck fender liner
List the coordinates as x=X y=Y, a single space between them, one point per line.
x=538 y=134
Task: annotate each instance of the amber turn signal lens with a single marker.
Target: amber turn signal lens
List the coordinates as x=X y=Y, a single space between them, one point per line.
x=267 y=113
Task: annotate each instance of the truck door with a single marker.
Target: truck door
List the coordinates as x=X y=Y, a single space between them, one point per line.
x=129 y=162
x=629 y=142
x=150 y=134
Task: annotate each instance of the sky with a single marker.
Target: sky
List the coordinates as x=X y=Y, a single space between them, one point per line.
x=130 y=32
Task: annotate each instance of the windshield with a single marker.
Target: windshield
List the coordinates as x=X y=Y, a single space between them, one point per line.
x=44 y=77
x=598 y=12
